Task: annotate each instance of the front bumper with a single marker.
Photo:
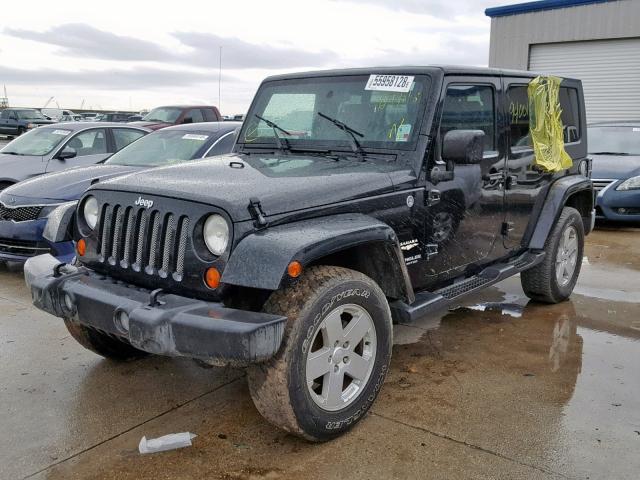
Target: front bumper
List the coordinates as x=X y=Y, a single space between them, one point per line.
x=618 y=206
x=20 y=241
x=162 y=324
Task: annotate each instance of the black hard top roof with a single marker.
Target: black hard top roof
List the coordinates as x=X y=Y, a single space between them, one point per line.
x=411 y=70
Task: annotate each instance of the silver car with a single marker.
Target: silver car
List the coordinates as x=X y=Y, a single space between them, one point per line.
x=56 y=147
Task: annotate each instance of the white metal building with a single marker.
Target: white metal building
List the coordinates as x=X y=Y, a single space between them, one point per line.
x=597 y=41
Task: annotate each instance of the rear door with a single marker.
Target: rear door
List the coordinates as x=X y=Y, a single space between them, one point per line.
x=525 y=183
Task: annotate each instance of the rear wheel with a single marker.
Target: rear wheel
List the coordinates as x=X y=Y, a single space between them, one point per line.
x=4 y=185
x=553 y=280
x=334 y=357
x=104 y=345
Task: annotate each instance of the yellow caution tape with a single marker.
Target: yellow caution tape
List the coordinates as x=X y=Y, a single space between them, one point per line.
x=545 y=124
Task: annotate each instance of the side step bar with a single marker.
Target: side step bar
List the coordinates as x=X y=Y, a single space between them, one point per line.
x=429 y=301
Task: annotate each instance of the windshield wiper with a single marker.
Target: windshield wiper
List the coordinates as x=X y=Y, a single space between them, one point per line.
x=275 y=127
x=355 y=145
x=11 y=153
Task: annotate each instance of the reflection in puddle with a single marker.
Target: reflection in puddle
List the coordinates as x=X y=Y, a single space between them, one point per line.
x=562 y=334
x=510 y=309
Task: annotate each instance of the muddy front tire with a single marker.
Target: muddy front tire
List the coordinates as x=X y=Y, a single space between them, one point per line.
x=553 y=280
x=334 y=358
x=103 y=344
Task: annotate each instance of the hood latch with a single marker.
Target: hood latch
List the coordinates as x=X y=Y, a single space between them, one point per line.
x=256 y=212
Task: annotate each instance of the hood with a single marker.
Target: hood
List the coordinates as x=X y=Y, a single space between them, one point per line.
x=61 y=186
x=281 y=184
x=17 y=167
x=615 y=166
x=151 y=125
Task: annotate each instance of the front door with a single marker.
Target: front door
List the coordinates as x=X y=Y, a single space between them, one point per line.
x=90 y=147
x=463 y=226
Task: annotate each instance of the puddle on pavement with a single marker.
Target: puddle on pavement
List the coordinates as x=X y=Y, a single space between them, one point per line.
x=565 y=374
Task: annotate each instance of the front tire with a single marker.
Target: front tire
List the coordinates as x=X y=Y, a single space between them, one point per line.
x=553 y=280
x=334 y=358
x=102 y=344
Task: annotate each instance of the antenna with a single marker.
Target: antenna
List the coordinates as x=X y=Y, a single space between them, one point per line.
x=220 y=82
x=48 y=102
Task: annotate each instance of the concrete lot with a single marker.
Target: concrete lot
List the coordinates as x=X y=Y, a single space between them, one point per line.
x=516 y=390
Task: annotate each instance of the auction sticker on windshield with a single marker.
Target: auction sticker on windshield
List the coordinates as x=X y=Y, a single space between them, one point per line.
x=193 y=136
x=390 y=83
x=64 y=133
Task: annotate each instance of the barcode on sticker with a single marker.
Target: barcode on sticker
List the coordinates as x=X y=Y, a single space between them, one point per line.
x=61 y=132
x=194 y=136
x=390 y=83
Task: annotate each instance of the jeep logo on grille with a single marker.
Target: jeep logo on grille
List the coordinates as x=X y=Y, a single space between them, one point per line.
x=143 y=202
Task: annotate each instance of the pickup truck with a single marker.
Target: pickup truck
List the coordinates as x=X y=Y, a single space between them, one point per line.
x=16 y=121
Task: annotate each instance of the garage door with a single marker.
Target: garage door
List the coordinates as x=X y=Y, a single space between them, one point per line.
x=609 y=70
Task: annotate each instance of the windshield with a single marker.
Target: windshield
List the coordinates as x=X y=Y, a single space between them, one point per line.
x=614 y=140
x=30 y=115
x=165 y=147
x=381 y=111
x=163 y=114
x=40 y=141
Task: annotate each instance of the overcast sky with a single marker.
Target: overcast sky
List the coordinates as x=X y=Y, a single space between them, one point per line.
x=132 y=54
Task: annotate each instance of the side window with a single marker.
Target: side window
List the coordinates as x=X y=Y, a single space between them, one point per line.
x=470 y=107
x=223 y=146
x=4 y=114
x=209 y=116
x=518 y=111
x=570 y=115
x=195 y=115
x=91 y=142
x=124 y=136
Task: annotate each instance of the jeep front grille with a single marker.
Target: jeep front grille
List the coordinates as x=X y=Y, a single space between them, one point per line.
x=19 y=214
x=143 y=240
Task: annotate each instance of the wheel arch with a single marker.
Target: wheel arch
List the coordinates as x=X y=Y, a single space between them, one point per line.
x=353 y=241
x=573 y=191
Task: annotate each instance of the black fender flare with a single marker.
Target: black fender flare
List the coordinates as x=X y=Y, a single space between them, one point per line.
x=260 y=260
x=556 y=199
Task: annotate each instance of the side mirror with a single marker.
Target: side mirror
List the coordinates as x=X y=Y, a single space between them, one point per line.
x=67 y=152
x=463 y=146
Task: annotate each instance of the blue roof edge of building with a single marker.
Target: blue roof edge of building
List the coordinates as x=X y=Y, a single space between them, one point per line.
x=537 y=6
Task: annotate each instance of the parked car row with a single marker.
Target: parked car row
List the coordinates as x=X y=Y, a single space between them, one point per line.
x=16 y=121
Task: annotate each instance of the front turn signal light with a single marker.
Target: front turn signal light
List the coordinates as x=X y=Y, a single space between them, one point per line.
x=294 y=269
x=212 y=277
x=81 y=247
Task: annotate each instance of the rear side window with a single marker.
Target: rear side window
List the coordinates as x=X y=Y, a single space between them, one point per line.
x=124 y=136
x=470 y=107
x=223 y=145
x=193 y=116
x=209 y=115
x=518 y=114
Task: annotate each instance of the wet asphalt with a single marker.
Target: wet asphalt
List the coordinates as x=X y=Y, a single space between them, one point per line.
x=500 y=388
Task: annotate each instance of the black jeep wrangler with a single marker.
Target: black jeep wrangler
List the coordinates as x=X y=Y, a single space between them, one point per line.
x=353 y=199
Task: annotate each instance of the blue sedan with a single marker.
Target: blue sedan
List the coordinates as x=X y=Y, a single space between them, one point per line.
x=24 y=207
x=615 y=149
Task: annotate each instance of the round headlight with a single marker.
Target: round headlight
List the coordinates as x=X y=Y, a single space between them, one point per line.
x=216 y=234
x=90 y=212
